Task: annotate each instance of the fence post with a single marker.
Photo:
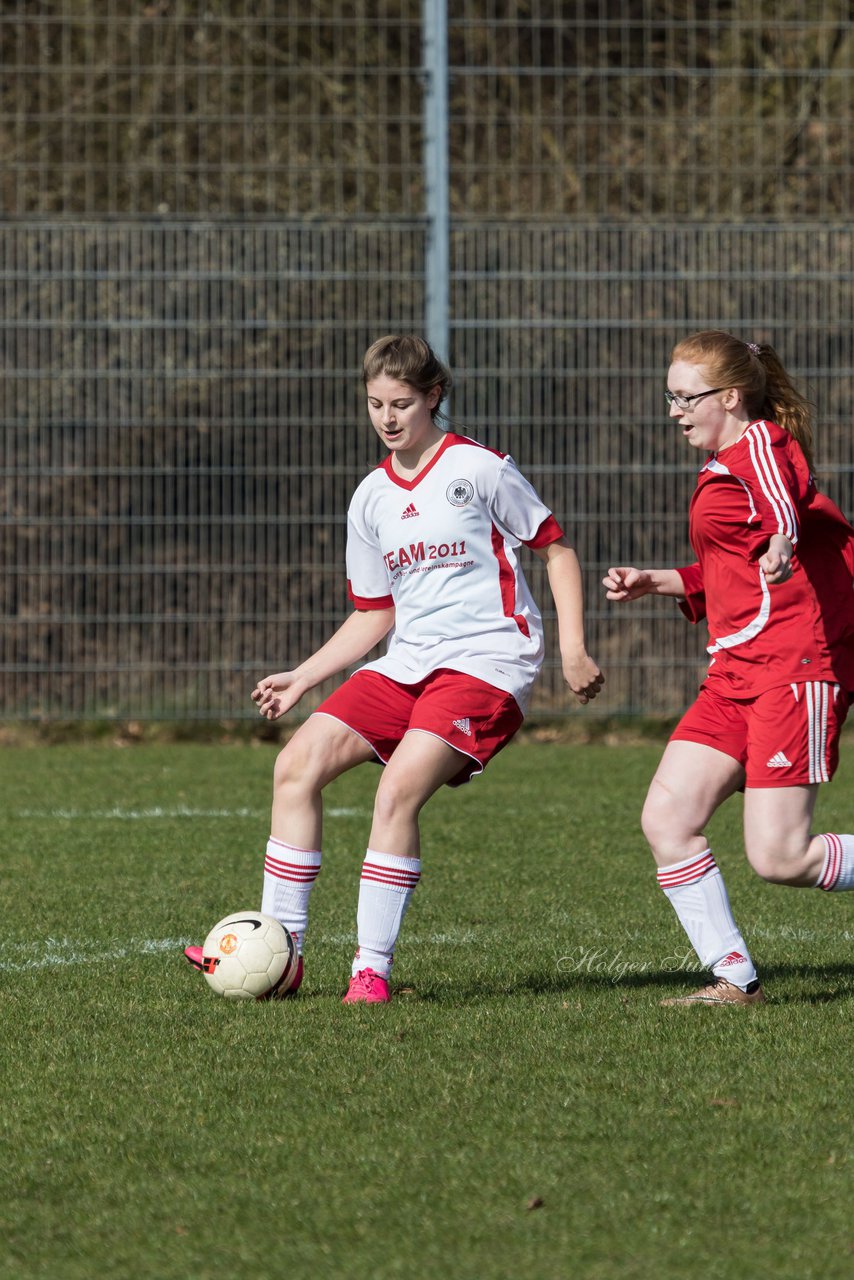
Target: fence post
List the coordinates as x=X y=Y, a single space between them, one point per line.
x=434 y=20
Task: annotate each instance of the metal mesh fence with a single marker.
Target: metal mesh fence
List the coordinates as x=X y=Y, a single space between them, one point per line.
x=570 y=379
x=210 y=210
x=182 y=428
x=179 y=447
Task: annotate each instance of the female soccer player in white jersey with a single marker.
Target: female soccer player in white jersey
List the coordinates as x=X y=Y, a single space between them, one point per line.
x=431 y=562
x=773 y=579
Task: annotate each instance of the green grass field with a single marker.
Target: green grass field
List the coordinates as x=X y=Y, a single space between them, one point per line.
x=524 y=1108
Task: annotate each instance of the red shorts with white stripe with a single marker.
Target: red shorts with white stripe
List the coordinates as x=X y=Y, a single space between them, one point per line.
x=786 y=737
x=470 y=715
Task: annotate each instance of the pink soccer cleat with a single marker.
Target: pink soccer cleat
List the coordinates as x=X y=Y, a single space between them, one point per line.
x=196 y=957
x=367 y=987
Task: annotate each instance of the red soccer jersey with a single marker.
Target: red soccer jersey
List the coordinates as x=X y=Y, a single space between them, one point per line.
x=761 y=636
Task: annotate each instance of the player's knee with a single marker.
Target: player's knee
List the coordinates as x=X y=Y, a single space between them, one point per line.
x=777 y=861
x=394 y=798
x=669 y=826
x=771 y=871
x=658 y=819
x=296 y=767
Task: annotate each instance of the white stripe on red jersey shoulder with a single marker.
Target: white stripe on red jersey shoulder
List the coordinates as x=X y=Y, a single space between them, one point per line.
x=764 y=461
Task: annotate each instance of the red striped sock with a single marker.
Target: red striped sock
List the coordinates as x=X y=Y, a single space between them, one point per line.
x=837 y=873
x=698 y=895
x=385 y=889
x=289 y=876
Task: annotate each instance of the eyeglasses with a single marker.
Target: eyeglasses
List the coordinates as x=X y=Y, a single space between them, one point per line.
x=684 y=402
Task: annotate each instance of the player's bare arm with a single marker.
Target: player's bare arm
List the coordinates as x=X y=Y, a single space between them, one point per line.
x=357 y=635
x=581 y=673
x=627 y=583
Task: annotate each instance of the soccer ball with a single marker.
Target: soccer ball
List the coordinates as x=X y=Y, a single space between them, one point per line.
x=249 y=956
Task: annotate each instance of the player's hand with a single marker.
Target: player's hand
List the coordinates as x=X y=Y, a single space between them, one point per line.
x=776 y=566
x=626 y=583
x=274 y=695
x=582 y=675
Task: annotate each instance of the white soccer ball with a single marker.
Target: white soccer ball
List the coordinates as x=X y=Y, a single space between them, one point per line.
x=249 y=956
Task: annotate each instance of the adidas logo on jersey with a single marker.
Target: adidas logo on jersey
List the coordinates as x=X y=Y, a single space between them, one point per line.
x=778 y=761
x=464 y=726
x=410 y=511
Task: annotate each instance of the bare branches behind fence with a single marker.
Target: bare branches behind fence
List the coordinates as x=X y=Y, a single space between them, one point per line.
x=559 y=108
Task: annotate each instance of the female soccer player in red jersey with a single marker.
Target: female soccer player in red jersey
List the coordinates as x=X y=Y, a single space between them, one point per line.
x=773 y=579
x=431 y=562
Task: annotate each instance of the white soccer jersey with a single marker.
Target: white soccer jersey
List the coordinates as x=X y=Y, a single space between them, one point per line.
x=441 y=549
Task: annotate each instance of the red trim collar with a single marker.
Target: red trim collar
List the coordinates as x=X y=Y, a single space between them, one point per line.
x=386 y=466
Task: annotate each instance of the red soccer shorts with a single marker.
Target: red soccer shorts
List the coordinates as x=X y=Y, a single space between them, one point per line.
x=786 y=737
x=470 y=715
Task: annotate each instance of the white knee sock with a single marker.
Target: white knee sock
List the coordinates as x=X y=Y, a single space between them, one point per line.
x=386 y=886
x=837 y=874
x=697 y=891
x=289 y=876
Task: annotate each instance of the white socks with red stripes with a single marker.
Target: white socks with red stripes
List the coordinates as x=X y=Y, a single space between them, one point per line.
x=696 y=889
x=289 y=876
x=837 y=874
x=387 y=884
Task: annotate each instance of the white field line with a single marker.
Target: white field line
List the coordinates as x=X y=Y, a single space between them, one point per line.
x=59 y=953
x=177 y=811
x=793 y=933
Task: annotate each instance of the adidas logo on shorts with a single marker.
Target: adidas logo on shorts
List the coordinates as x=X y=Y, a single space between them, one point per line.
x=464 y=726
x=778 y=761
